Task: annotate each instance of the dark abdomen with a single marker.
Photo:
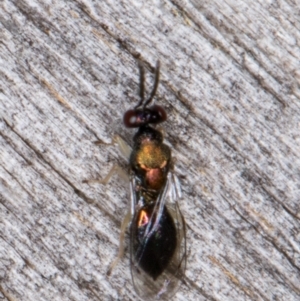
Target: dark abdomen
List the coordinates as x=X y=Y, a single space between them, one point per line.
x=154 y=244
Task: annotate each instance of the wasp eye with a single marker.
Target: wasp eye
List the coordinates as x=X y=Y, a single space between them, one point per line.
x=130 y=119
x=158 y=114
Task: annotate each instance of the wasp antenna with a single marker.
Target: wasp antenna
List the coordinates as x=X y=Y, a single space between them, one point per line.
x=156 y=81
x=142 y=84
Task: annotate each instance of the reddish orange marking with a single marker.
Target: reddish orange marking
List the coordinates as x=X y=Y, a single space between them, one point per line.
x=144 y=219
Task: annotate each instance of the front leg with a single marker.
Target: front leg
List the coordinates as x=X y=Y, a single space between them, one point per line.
x=125 y=150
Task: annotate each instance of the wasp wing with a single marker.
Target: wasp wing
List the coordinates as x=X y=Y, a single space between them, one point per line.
x=157 y=242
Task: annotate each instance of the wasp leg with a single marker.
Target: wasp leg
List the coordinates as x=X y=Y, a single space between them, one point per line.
x=124 y=148
x=116 y=169
x=124 y=225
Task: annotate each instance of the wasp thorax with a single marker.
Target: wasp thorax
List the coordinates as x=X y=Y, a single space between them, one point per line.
x=146 y=134
x=150 y=157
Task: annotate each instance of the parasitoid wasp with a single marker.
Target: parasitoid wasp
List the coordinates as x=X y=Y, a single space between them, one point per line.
x=157 y=226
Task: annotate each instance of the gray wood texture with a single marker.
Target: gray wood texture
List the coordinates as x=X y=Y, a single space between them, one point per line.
x=230 y=84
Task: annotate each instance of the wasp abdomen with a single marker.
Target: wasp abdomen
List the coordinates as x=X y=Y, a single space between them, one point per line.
x=155 y=242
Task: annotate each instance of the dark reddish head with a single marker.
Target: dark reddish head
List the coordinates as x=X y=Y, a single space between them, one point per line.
x=138 y=117
x=142 y=114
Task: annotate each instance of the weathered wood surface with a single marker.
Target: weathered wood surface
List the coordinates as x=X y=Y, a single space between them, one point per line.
x=230 y=83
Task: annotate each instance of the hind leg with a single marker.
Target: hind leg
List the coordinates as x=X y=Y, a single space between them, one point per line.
x=125 y=223
x=125 y=150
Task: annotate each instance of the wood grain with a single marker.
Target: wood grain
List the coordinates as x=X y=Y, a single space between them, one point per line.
x=230 y=84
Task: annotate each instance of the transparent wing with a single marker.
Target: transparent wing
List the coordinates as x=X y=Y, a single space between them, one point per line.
x=158 y=247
